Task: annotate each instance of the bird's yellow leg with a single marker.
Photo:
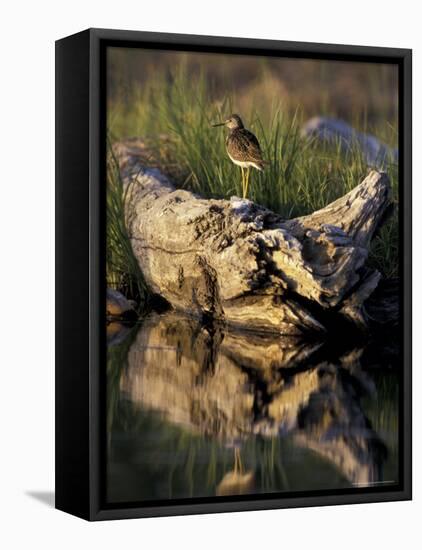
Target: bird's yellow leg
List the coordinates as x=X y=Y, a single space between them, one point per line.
x=239 y=462
x=243 y=181
x=248 y=170
x=238 y=467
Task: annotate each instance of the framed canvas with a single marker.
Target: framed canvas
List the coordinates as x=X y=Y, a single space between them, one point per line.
x=233 y=274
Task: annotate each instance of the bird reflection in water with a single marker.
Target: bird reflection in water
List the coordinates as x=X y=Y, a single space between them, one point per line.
x=236 y=481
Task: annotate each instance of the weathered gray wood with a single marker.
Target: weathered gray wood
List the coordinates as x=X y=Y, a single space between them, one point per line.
x=240 y=262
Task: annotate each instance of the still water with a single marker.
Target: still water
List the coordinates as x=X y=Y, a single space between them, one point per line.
x=196 y=411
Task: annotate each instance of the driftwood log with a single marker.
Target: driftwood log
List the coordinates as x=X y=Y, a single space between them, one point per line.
x=238 y=262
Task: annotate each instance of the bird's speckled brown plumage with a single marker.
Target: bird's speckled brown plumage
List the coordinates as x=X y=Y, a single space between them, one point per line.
x=242 y=145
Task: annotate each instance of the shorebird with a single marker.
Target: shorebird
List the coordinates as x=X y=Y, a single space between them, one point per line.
x=243 y=148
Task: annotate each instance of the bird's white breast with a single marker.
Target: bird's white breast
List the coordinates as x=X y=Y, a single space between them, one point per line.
x=244 y=164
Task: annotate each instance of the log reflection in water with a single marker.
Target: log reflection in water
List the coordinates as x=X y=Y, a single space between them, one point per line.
x=231 y=385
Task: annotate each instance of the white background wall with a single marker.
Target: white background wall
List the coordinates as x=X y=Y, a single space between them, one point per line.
x=28 y=31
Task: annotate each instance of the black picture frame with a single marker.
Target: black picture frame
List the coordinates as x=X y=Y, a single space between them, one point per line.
x=80 y=281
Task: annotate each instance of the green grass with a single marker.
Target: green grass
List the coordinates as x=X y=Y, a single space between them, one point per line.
x=174 y=113
x=122 y=269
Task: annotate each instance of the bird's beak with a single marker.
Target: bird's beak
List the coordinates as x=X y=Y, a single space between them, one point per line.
x=218 y=124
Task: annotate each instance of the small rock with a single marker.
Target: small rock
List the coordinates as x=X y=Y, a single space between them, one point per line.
x=118 y=306
x=331 y=130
